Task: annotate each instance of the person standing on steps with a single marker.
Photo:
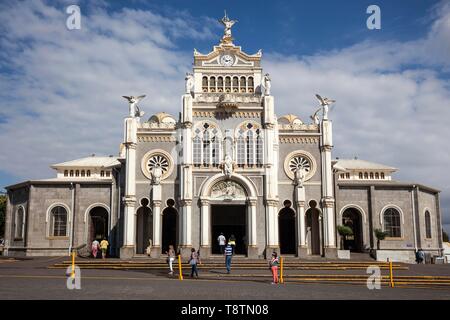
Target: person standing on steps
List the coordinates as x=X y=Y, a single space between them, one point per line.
x=221 y=240
x=274 y=267
x=228 y=257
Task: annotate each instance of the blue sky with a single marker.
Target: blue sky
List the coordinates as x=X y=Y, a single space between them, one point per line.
x=60 y=90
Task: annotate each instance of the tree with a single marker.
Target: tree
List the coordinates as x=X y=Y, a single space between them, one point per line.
x=343 y=232
x=380 y=235
x=2 y=214
x=444 y=236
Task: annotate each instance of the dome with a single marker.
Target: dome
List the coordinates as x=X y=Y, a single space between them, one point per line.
x=289 y=119
x=162 y=117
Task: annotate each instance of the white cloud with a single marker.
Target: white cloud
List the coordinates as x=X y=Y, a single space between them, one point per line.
x=63 y=98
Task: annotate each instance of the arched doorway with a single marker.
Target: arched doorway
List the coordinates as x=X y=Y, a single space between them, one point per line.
x=143 y=227
x=98 y=224
x=351 y=217
x=313 y=228
x=169 y=226
x=286 y=229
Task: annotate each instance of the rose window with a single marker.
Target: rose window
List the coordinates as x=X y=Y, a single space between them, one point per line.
x=300 y=162
x=158 y=161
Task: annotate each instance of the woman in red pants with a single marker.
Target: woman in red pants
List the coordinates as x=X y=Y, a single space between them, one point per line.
x=274 y=267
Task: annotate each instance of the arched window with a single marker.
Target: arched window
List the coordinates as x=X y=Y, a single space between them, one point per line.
x=243 y=84
x=371 y=175
x=219 y=84
x=58 y=220
x=347 y=175
x=250 y=146
x=360 y=175
x=391 y=220
x=215 y=148
x=108 y=174
x=102 y=173
x=382 y=175
x=241 y=149
x=366 y=175
x=66 y=173
x=20 y=223
x=259 y=148
x=206 y=146
x=71 y=173
x=205 y=84
x=88 y=173
x=250 y=84
x=377 y=175
x=235 y=84
x=197 y=148
x=212 y=84
x=427 y=224
x=227 y=84
x=83 y=173
x=77 y=173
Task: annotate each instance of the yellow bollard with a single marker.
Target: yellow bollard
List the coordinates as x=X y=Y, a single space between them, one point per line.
x=72 y=275
x=180 y=269
x=391 y=275
x=281 y=270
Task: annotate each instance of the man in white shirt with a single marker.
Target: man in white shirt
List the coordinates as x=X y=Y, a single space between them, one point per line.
x=221 y=239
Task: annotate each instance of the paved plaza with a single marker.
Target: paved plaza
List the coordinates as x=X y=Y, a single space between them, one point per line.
x=33 y=279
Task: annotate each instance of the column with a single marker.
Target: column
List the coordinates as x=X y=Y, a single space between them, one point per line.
x=301 y=226
x=156 y=212
x=205 y=241
x=272 y=227
x=130 y=142
x=185 y=226
x=329 y=228
x=252 y=249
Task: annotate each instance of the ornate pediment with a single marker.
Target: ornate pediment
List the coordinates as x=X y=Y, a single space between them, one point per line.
x=227 y=56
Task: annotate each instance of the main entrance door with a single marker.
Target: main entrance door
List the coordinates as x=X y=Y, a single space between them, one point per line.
x=143 y=229
x=231 y=220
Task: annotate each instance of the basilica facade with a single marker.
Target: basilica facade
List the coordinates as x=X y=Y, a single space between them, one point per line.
x=227 y=164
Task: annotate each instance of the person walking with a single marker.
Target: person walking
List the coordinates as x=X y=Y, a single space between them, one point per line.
x=104 y=246
x=228 y=256
x=274 y=267
x=221 y=240
x=232 y=242
x=193 y=260
x=171 y=258
x=94 y=248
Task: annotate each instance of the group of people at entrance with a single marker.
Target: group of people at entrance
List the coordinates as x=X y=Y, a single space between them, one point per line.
x=96 y=246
